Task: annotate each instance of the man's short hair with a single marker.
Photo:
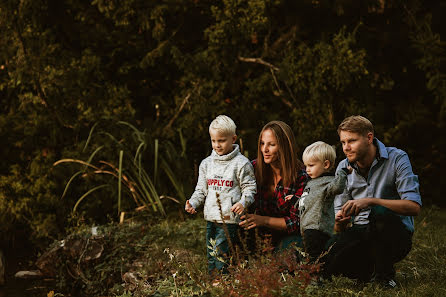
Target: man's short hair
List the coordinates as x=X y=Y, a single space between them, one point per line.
x=223 y=124
x=357 y=124
x=320 y=151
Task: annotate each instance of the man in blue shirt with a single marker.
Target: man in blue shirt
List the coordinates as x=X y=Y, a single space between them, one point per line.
x=375 y=224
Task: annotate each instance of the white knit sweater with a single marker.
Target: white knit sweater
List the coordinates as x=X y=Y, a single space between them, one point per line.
x=231 y=178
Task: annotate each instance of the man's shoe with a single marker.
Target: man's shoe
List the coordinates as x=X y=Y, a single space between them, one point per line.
x=387 y=283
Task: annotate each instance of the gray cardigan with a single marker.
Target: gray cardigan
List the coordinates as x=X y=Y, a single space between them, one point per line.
x=316 y=207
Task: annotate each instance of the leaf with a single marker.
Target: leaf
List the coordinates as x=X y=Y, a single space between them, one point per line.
x=89 y=136
x=155 y=167
x=86 y=194
x=121 y=154
x=92 y=155
x=69 y=182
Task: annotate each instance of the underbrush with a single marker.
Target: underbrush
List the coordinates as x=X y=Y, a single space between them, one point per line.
x=168 y=258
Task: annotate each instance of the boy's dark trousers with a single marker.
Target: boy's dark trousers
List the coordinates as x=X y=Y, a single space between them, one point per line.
x=366 y=251
x=315 y=242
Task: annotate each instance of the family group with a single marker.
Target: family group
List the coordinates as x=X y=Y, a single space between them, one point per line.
x=357 y=218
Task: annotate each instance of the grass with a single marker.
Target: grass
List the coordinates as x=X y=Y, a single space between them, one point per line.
x=128 y=179
x=168 y=258
x=423 y=272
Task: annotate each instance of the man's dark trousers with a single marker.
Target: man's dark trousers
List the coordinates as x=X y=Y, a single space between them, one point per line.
x=366 y=251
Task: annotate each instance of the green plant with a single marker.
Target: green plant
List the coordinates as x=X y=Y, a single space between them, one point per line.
x=131 y=172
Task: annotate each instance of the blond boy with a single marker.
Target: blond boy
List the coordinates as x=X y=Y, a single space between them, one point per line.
x=316 y=203
x=227 y=185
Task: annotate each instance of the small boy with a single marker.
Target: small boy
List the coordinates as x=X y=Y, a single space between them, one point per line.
x=316 y=207
x=227 y=185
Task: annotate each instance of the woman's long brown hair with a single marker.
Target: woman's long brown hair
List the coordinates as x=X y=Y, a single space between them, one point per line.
x=290 y=165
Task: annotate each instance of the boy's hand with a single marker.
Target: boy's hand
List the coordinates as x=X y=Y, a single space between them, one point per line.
x=340 y=218
x=238 y=208
x=350 y=169
x=291 y=199
x=288 y=197
x=341 y=221
x=189 y=208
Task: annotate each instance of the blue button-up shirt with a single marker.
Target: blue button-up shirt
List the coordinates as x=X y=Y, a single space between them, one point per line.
x=390 y=177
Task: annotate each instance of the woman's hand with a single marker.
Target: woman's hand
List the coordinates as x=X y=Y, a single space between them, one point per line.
x=250 y=221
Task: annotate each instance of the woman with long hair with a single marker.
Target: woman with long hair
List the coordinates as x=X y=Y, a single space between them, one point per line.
x=280 y=182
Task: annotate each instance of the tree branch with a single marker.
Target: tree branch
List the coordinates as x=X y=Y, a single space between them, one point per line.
x=286 y=102
x=169 y=125
x=259 y=61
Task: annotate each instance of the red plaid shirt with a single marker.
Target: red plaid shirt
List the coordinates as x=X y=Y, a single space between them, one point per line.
x=276 y=206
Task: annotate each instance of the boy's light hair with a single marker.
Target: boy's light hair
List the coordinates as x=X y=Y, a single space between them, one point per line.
x=320 y=151
x=223 y=124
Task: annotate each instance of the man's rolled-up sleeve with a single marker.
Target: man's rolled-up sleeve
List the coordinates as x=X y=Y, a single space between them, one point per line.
x=406 y=181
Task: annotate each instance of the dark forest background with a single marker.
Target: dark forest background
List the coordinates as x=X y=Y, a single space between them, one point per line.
x=136 y=83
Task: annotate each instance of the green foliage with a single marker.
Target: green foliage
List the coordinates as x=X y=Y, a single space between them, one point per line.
x=28 y=206
x=432 y=60
x=320 y=76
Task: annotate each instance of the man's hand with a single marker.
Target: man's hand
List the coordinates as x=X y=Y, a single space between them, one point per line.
x=189 y=208
x=238 y=208
x=354 y=207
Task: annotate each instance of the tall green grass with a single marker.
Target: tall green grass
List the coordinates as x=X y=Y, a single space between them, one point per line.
x=137 y=152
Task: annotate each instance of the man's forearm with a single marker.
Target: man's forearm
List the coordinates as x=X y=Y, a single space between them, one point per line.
x=401 y=207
